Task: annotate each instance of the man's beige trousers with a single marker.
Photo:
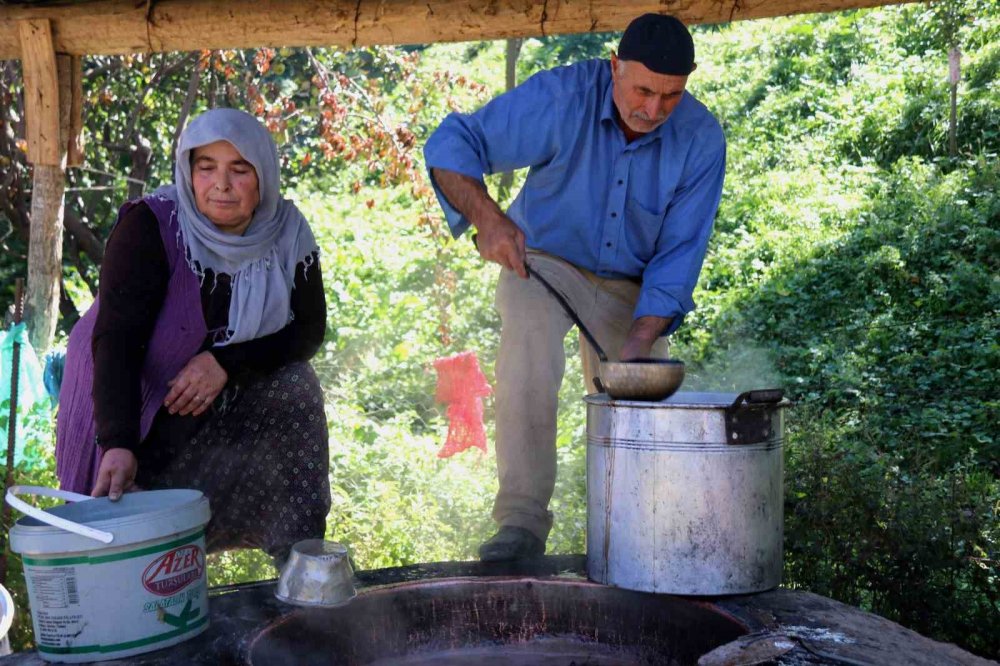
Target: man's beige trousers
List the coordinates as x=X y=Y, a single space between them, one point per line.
x=529 y=371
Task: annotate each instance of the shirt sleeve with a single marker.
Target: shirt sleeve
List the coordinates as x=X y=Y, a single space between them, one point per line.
x=298 y=341
x=670 y=277
x=133 y=286
x=517 y=129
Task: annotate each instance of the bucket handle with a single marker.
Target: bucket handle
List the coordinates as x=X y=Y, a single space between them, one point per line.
x=48 y=518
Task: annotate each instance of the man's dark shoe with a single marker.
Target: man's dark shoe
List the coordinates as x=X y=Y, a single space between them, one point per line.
x=511 y=543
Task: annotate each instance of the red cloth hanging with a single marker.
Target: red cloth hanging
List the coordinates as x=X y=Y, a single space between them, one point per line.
x=462 y=386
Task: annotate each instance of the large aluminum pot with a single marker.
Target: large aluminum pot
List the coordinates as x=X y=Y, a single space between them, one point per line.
x=684 y=496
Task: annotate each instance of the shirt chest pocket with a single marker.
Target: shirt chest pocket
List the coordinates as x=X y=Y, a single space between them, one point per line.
x=642 y=228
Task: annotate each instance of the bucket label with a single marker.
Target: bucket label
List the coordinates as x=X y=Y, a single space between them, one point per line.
x=108 y=605
x=174 y=570
x=56 y=587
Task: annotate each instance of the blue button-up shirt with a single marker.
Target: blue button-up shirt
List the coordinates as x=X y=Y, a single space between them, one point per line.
x=623 y=210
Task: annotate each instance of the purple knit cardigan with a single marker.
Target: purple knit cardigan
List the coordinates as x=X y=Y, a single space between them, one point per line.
x=177 y=335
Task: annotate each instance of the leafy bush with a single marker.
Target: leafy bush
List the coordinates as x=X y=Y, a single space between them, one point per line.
x=912 y=543
x=36 y=468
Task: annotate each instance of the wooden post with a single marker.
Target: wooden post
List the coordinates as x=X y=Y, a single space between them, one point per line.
x=954 y=76
x=47 y=114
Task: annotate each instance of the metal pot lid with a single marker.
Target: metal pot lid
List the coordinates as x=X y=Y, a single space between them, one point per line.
x=687 y=400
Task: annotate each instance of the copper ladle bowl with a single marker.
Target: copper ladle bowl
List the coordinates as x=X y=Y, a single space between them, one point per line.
x=640 y=379
x=651 y=379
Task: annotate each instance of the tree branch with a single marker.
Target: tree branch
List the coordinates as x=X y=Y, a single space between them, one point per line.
x=86 y=240
x=189 y=98
x=141 y=158
x=73 y=253
x=163 y=72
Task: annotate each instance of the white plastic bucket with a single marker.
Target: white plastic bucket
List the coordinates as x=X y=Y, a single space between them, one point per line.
x=6 y=619
x=112 y=579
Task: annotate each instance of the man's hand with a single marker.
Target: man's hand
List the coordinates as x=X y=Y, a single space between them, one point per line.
x=116 y=475
x=502 y=241
x=641 y=337
x=499 y=239
x=195 y=386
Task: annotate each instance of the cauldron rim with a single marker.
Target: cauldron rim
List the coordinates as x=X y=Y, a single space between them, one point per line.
x=384 y=604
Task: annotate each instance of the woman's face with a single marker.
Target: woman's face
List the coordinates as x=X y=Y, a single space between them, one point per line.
x=225 y=186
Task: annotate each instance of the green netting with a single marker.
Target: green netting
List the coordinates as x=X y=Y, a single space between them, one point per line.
x=32 y=398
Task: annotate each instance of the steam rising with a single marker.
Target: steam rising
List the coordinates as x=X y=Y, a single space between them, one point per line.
x=734 y=369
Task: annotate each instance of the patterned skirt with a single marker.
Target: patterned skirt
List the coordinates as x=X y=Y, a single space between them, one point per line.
x=260 y=455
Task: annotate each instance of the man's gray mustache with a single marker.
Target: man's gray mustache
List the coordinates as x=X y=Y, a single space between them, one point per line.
x=642 y=116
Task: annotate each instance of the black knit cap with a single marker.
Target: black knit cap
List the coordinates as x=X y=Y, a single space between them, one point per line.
x=661 y=43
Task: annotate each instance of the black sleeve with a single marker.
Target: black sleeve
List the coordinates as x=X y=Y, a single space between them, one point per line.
x=298 y=341
x=133 y=286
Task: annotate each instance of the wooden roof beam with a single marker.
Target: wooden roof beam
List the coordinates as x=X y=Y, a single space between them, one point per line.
x=104 y=27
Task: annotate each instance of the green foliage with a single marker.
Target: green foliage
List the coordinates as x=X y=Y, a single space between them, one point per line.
x=922 y=542
x=552 y=51
x=894 y=467
x=909 y=304
x=37 y=468
x=394 y=501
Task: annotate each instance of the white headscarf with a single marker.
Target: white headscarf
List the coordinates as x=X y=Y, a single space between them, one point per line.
x=262 y=261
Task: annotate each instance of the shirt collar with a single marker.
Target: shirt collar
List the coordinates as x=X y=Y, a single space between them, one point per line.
x=608 y=107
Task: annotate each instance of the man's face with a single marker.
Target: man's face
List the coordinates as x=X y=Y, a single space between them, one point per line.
x=644 y=98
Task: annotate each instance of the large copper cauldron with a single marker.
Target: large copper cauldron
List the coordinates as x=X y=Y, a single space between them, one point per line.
x=498 y=621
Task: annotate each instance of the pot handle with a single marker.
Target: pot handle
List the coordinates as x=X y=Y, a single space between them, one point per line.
x=745 y=425
x=49 y=519
x=758 y=397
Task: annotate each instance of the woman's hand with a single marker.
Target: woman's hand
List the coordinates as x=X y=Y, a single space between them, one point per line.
x=195 y=386
x=116 y=475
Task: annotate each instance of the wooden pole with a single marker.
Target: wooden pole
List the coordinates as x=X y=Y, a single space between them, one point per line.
x=71 y=106
x=512 y=50
x=45 y=254
x=47 y=116
x=954 y=76
x=11 y=430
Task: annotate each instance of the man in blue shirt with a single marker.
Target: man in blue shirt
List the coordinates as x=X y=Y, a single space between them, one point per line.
x=625 y=175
